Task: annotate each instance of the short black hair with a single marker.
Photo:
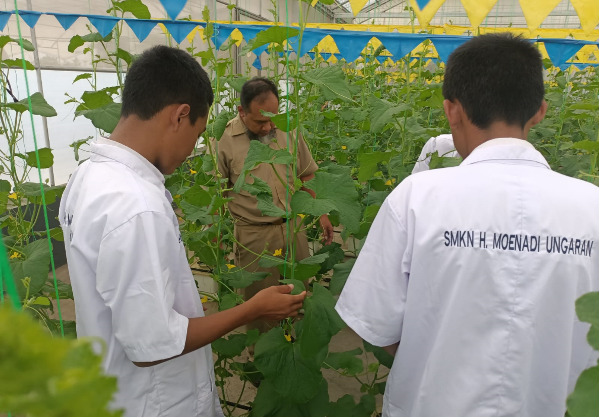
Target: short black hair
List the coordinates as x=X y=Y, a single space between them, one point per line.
x=162 y=76
x=496 y=77
x=256 y=88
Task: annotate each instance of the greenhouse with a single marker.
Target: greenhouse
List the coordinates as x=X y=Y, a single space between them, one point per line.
x=299 y=208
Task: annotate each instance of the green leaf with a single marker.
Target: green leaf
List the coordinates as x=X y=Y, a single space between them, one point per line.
x=275 y=34
x=340 y=275
x=587 y=145
x=239 y=278
x=65 y=291
x=269 y=403
x=83 y=76
x=259 y=153
x=105 y=117
x=39 y=106
x=298 y=285
x=252 y=337
x=95 y=99
x=227 y=302
x=34 y=263
x=135 y=7
x=384 y=358
x=443 y=162
x=78 y=144
x=124 y=55
x=587 y=311
x=583 y=402
x=50 y=376
x=331 y=80
x=5 y=39
x=346 y=361
x=236 y=83
x=333 y=192
x=230 y=347
x=382 y=112
x=321 y=321
x=285 y=122
x=46 y=158
x=5 y=186
x=77 y=40
x=345 y=407
x=293 y=376
x=17 y=63
x=33 y=192
x=217 y=126
x=354 y=114
x=369 y=162
x=197 y=196
x=336 y=255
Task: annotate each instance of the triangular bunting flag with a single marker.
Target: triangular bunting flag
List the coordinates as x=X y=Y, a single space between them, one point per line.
x=103 y=24
x=422 y=3
x=257 y=64
x=4 y=16
x=587 y=10
x=179 y=29
x=382 y=58
x=477 y=10
x=250 y=32
x=535 y=11
x=141 y=27
x=311 y=55
x=310 y=39
x=357 y=5
x=221 y=34
x=350 y=43
x=399 y=45
x=447 y=44
x=29 y=17
x=326 y=55
x=66 y=20
x=561 y=50
x=173 y=7
x=425 y=14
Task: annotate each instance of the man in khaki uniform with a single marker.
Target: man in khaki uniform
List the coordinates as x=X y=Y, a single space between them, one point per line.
x=254 y=232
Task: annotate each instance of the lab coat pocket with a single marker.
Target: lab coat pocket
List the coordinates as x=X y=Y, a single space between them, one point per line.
x=205 y=406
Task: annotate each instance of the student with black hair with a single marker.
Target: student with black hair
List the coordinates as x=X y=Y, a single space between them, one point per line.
x=255 y=231
x=469 y=274
x=131 y=280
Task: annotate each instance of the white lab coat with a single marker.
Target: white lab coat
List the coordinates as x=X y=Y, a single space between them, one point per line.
x=486 y=324
x=132 y=283
x=443 y=144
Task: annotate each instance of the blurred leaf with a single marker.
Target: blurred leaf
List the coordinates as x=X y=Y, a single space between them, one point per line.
x=340 y=275
x=346 y=362
x=46 y=158
x=105 y=117
x=39 y=106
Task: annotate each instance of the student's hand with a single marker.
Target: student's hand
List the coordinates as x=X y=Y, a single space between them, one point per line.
x=327 y=229
x=276 y=303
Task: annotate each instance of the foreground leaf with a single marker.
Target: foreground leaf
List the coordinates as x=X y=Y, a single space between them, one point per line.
x=231 y=346
x=321 y=321
x=269 y=403
x=259 y=153
x=587 y=311
x=104 y=117
x=331 y=80
x=346 y=362
x=239 y=278
x=345 y=407
x=34 y=263
x=583 y=402
x=39 y=106
x=293 y=376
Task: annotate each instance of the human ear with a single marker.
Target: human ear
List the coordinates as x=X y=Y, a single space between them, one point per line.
x=452 y=111
x=540 y=114
x=181 y=112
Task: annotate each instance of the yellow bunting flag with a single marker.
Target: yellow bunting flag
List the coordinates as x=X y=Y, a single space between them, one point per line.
x=535 y=11
x=477 y=10
x=587 y=10
x=357 y=5
x=424 y=16
x=455 y=30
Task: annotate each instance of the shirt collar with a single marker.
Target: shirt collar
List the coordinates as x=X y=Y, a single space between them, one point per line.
x=510 y=150
x=105 y=149
x=237 y=126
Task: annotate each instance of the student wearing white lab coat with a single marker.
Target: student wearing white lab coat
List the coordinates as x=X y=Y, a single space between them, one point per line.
x=443 y=144
x=469 y=274
x=131 y=280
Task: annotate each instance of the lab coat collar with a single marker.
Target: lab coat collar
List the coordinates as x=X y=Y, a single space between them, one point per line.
x=513 y=150
x=105 y=150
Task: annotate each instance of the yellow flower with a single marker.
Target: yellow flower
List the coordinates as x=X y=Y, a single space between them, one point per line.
x=278 y=252
x=287 y=337
x=344 y=147
x=348 y=134
x=14 y=255
x=12 y=196
x=230 y=266
x=177 y=196
x=193 y=171
x=301 y=215
x=388 y=183
x=204 y=299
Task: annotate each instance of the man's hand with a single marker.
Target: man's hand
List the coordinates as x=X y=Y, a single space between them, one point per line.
x=327 y=229
x=276 y=303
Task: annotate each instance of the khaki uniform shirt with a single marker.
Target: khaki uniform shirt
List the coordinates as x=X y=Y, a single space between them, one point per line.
x=231 y=153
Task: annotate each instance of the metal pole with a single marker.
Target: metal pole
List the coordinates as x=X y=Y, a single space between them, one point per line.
x=38 y=72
